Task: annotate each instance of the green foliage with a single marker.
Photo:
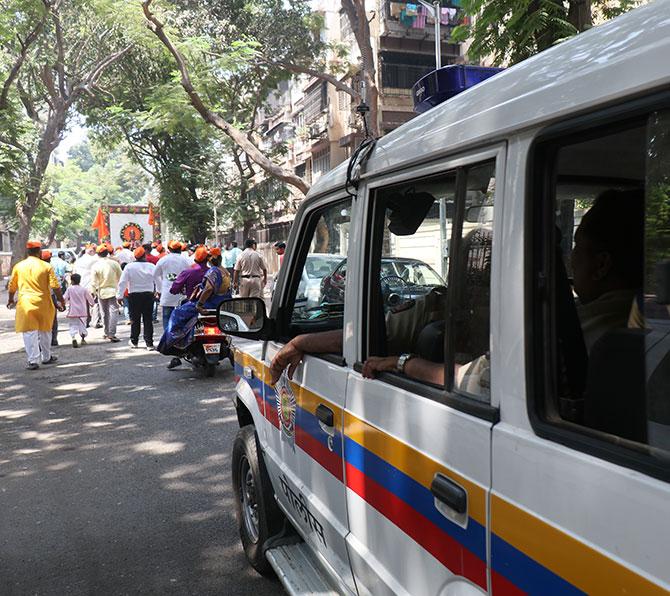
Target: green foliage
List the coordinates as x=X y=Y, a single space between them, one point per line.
x=89 y=179
x=508 y=32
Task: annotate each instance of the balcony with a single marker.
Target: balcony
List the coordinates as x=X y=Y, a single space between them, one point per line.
x=407 y=19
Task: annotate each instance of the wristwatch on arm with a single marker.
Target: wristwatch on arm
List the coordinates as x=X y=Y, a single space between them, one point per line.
x=403 y=359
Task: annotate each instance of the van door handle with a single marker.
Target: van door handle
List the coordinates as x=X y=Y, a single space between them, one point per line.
x=448 y=492
x=325 y=415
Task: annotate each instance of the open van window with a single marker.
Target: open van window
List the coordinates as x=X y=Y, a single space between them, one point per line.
x=605 y=243
x=429 y=281
x=323 y=249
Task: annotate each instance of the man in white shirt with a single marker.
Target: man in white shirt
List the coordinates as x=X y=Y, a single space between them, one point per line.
x=124 y=255
x=82 y=266
x=138 y=279
x=167 y=270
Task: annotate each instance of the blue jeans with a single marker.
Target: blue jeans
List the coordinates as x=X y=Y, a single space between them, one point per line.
x=167 y=311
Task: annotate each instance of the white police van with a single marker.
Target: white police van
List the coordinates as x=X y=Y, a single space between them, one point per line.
x=519 y=439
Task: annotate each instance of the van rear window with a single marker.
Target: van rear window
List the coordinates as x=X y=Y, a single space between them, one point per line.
x=602 y=291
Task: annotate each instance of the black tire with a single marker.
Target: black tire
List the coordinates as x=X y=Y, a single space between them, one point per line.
x=210 y=369
x=249 y=468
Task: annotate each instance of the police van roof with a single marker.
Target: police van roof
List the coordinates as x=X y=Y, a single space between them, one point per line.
x=625 y=55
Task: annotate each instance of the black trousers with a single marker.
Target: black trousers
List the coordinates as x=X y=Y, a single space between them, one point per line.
x=141 y=307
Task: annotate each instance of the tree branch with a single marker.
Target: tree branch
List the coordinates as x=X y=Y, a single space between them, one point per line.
x=215 y=119
x=332 y=79
x=60 y=52
x=91 y=79
x=14 y=72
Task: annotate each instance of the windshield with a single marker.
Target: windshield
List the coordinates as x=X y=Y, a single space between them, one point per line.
x=414 y=273
x=317 y=266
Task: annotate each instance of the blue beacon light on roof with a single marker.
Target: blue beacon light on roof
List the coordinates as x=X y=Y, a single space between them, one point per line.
x=442 y=84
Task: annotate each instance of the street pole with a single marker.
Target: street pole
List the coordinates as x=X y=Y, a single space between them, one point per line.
x=434 y=10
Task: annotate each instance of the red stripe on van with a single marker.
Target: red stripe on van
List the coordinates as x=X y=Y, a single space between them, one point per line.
x=444 y=548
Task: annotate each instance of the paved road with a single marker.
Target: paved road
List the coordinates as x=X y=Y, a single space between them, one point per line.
x=114 y=475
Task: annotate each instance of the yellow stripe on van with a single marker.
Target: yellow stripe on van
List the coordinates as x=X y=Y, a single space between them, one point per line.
x=260 y=370
x=576 y=562
x=309 y=401
x=413 y=463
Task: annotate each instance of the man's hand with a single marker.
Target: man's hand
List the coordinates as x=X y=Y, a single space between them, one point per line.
x=120 y=301
x=375 y=364
x=289 y=356
x=61 y=306
x=10 y=304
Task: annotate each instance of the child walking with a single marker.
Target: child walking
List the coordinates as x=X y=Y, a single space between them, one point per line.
x=78 y=299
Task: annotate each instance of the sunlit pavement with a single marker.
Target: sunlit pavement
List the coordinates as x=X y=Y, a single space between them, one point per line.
x=114 y=475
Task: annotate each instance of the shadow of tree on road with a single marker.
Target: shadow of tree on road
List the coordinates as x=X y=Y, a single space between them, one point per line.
x=114 y=478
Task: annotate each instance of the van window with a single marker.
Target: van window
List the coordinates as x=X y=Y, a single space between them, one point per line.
x=429 y=280
x=318 y=302
x=605 y=242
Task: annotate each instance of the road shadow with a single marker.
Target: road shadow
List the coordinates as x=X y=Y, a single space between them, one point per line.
x=115 y=479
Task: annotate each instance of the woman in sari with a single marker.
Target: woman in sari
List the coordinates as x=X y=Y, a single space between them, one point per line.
x=216 y=284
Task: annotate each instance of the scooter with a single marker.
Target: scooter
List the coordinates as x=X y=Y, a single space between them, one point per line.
x=210 y=345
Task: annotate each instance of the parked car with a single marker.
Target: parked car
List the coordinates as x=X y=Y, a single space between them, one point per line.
x=400 y=278
x=317 y=266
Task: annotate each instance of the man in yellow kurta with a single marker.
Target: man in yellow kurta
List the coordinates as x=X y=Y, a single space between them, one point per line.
x=34 y=280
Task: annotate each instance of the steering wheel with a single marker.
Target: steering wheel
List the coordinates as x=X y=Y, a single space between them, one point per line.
x=394 y=281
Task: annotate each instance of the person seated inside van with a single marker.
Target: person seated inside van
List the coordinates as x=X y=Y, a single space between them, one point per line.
x=607 y=263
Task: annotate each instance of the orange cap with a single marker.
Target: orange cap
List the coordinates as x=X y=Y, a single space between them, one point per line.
x=102 y=248
x=200 y=254
x=33 y=244
x=139 y=253
x=126 y=245
x=184 y=246
x=46 y=255
x=215 y=252
x=174 y=245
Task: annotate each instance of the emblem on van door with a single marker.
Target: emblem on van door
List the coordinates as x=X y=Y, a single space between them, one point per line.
x=286 y=405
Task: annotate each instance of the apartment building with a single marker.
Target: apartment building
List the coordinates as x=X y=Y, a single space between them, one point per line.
x=318 y=124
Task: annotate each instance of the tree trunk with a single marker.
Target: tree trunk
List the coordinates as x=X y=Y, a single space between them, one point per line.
x=52 y=232
x=579 y=14
x=51 y=137
x=358 y=18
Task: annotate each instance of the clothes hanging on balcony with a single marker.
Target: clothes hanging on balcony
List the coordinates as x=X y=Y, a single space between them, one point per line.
x=405 y=19
x=411 y=10
x=448 y=16
x=395 y=9
x=420 y=21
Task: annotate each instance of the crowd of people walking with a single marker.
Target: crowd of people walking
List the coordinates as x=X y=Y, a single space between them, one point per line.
x=138 y=279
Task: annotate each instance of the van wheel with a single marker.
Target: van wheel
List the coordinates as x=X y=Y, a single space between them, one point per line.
x=258 y=516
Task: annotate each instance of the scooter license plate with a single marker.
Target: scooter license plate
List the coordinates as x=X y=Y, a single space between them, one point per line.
x=212 y=348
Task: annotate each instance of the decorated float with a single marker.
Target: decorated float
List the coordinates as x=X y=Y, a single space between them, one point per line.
x=136 y=224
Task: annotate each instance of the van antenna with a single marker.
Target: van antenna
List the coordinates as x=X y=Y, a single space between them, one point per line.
x=362 y=153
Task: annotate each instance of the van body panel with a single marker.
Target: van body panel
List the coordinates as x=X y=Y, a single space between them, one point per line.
x=307 y=464
x=575 y=521
x=393 y=452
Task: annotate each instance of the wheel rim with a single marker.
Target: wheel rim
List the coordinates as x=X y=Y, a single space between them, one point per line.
x=248 y=500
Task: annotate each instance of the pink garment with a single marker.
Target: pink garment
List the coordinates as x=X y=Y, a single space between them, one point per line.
x=420 y=21
x=77 y=298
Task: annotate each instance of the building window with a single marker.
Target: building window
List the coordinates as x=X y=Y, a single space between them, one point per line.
x=402 y=70
x=345 y=25
x=316 y=100
x=320 y=163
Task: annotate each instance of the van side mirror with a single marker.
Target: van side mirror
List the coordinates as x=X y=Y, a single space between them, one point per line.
x=244 y=317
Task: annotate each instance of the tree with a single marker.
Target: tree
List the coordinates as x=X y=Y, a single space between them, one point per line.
x=508 y=32
x=74 y=190
x=75 y=44
x=248 y=50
